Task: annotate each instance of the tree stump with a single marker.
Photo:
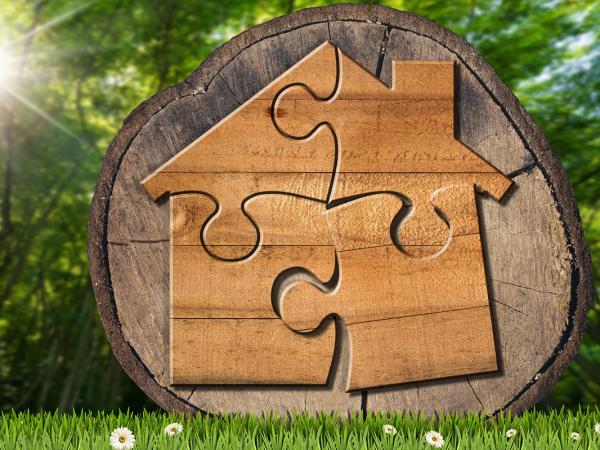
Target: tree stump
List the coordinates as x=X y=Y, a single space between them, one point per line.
x=538 y=267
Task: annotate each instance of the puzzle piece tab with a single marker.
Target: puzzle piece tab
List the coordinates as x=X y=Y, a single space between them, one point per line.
x=245 y=154
x=382 y=293
x=223 y=326
x=398 y=138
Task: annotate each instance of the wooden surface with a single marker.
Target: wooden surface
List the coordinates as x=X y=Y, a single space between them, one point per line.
x=244 y=154
x=538 y=267
x=248 y=351
x=382 y=293
x=401 y=258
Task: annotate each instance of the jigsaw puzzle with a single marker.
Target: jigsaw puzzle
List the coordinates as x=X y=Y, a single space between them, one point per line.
x=330 y=196
x=244 y=155
x=445 y=295
x=223 y=328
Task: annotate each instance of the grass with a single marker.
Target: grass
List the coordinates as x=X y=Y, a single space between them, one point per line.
x=536 y=430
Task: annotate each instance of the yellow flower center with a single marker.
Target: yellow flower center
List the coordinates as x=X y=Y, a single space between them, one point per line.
x=121 y=439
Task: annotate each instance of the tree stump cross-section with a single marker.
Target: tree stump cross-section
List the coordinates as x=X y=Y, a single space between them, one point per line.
x=537 y=265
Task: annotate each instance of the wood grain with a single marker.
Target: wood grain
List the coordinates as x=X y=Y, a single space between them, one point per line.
x=538 y=329
x=380 y=287
x=422 y=347
x=207 y=165
x=248 y=351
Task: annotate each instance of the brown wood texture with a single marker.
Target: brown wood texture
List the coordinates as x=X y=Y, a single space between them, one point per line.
x=537 y=264
x=397 y=138
x=228 y=162
x=380 y=288
x=248 y=351
x=422 y=347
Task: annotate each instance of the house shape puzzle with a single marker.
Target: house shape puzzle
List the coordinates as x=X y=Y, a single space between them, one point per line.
x=330 y=196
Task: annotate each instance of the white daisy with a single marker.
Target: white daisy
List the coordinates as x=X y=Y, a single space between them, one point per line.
x=389 y=429
x=511 y=433
x=597 y=428
x=575 y=436
x=173 y=428
x=434 y=438
x=122 y=439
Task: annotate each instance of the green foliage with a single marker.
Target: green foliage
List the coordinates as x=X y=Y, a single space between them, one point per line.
x=535 y=430
x=73 y=70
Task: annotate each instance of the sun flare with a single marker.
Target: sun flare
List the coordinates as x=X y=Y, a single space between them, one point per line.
x=6 y=62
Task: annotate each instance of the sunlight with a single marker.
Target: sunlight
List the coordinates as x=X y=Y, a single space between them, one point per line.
x=54 y=21
x=34 y=108
x=6 y=66
x=9 y=73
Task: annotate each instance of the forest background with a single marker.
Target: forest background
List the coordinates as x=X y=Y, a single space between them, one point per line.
x=70 y=71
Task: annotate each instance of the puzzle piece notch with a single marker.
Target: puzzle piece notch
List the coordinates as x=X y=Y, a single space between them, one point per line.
x=295 y=234
x=420 y=235
x=405 y=128
x=227 y=306
x=232 y=225
x=397 y=287
x=361 y=224
x=424 y=232
x=245 y=154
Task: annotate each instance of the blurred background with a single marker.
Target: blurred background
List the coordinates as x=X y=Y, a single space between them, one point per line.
x=70 y=72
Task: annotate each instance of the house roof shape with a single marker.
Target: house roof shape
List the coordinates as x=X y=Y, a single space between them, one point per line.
x=417 y=111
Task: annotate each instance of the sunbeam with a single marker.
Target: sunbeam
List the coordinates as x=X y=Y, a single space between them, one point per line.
x=52 y=22
x=42 y=113
x=9 y=60
x=6 y=65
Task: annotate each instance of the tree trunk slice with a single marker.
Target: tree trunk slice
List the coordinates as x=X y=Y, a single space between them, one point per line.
x=538 y=267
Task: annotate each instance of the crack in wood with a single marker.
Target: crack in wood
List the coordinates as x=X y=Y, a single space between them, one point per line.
x=382 y=50
x=475 y=393
x=524 y=287
x=508 y=306
x=408 y=316
x=235 y=96
x=191 y=393
x=527 y=168
x=148 y=241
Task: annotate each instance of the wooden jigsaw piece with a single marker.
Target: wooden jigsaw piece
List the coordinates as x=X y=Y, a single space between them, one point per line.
x=223 y=327
x=228 y=231
x=245 y=154
x=386 y=299
x=398 y=138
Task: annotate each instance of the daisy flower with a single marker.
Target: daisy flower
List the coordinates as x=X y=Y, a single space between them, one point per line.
x=434 y=438
x=597 y=428
x=173 y=428
x=575 y=436
x=122 y=439
x=389 y=429
x=511 y=433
